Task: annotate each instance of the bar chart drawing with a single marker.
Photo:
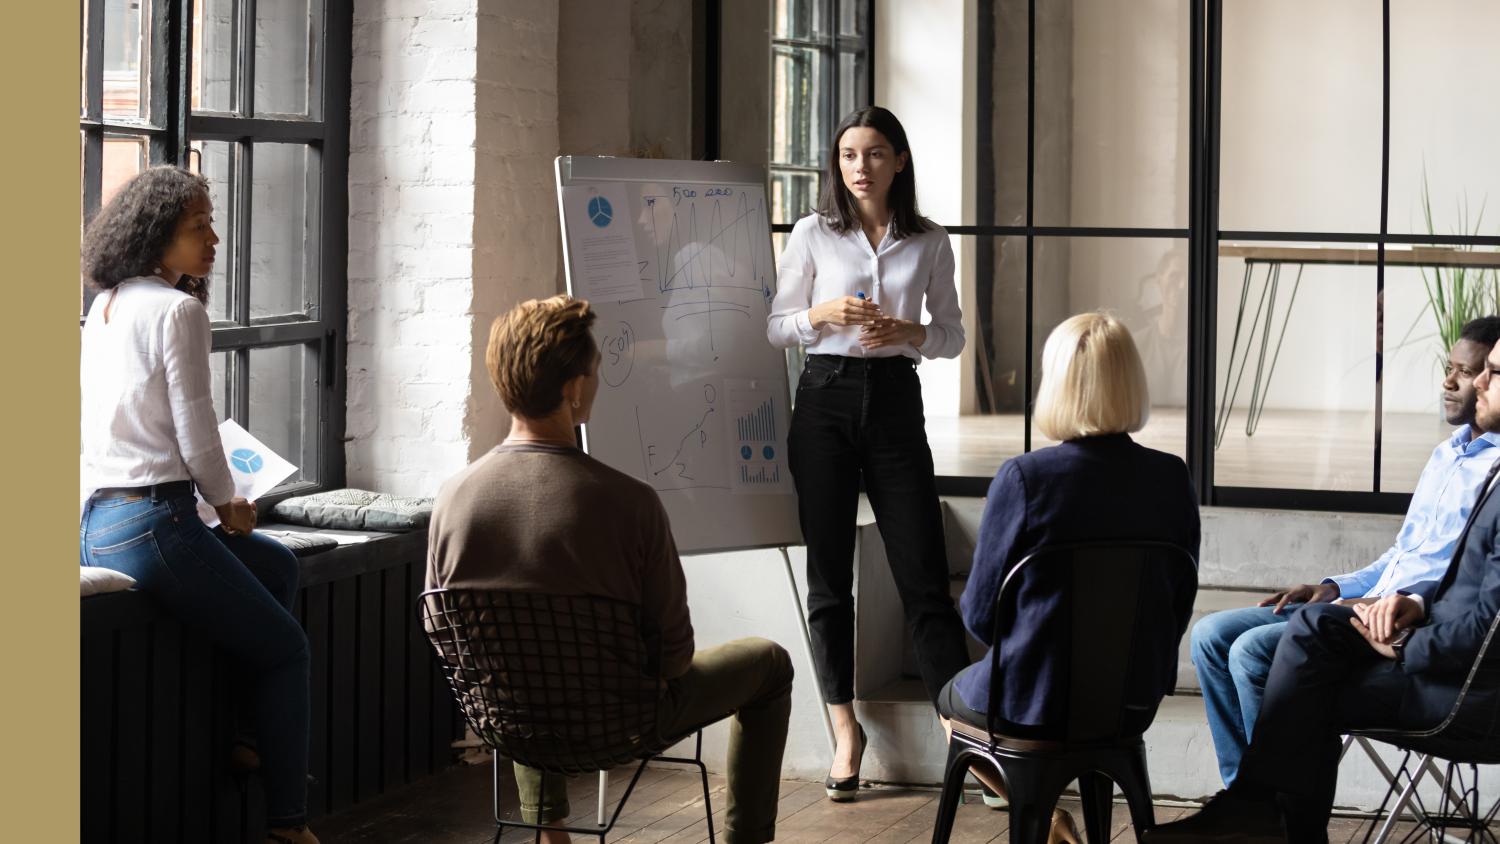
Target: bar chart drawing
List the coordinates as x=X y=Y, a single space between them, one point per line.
x=759 y=445
x=761 y=476
x=760 y=424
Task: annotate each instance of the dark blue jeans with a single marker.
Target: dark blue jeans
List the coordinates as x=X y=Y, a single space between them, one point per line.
x=861 y=418
x=238 y=591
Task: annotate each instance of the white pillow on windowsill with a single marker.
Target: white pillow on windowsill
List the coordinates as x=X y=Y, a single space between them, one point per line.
x=93 y=580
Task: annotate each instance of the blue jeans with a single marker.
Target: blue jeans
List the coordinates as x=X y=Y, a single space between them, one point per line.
x=238 y=591
x=1232 y=652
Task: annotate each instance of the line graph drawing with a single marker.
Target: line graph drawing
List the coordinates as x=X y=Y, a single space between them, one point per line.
x=679 y=452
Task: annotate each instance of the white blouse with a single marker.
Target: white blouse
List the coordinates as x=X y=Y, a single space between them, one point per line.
x=147 y=403
x=818 y=265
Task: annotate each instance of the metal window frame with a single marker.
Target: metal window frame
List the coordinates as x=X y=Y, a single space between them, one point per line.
x=830 y=49
x=172 y=127
x=1203 y=237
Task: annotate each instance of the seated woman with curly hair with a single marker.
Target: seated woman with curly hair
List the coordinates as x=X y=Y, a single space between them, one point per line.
x=150 y=437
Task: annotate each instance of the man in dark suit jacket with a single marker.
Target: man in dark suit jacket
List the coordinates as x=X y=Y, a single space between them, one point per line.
x=1398 y=663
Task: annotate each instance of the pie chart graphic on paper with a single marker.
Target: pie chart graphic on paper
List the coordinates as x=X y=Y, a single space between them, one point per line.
x=600 y=212
x=247 y=461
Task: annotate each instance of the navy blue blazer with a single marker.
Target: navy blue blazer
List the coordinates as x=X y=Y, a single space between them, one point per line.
x=1460 y=609
x=1095 y=488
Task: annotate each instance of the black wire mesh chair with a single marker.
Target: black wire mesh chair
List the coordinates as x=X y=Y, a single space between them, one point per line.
x=1121 y=602
x=1467 y=738
x=561 y=683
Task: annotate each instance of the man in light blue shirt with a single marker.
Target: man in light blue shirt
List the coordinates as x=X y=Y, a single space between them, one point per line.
x=1232 y=650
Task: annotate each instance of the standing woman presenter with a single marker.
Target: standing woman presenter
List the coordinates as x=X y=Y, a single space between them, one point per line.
x=852 y=282
x=150 y=437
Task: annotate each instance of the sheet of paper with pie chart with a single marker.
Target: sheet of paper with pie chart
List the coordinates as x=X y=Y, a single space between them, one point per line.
x=256 y=469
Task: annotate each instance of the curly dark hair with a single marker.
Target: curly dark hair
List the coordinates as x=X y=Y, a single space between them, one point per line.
x=128 y=236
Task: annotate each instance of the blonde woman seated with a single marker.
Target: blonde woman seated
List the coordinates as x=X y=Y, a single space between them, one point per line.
x=536 y=514
x=1096 y=484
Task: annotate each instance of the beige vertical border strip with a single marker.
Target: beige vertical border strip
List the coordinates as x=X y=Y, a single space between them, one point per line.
x=39 y=63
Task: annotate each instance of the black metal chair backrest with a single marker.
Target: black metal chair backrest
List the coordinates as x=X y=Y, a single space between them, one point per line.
x=1475 y=713
x=556 y=682
x=1121 y=599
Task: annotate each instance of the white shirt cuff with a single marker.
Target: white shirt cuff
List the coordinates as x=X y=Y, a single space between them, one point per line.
x=805 y=331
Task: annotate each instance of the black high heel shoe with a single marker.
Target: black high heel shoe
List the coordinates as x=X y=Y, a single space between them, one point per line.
x=846 y=789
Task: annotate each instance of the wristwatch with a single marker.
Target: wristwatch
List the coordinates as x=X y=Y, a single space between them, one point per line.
x=1398 y=645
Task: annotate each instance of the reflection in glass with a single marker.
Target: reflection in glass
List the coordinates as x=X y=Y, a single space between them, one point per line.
x=1002 y=162
x=852 y=21
x=1301 y=116
x=793 y=195
x=213 y=56
x=1295 y=382
x=852 y=79
x=281 y=249
x=283 y=52
x=215 y=161
x=797 y=131
x=801 y=19
x=1112 y=114
x=126 y=59
x=1442 y=54
x=279 y=377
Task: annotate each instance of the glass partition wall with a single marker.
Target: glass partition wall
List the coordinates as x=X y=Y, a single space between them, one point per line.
x=1288 y=204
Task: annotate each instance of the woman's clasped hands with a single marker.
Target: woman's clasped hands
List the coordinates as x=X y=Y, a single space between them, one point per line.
x=876 y=329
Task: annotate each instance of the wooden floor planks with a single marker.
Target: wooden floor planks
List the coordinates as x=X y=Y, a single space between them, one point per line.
x=666 y=807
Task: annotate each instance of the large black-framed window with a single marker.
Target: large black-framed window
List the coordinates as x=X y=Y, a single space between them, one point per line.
x=1230 y=283
x=821 y=69
x=253 y=94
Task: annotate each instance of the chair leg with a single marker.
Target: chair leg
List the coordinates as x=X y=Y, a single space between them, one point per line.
x=1035 y=785
x=603 y=787
x=1130 y=773
x=953 y=787
x=1098 y=792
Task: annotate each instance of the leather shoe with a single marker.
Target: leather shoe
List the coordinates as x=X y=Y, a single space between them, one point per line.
x=1227 y=817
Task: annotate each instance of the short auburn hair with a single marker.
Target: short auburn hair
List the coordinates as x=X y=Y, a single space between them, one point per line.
x=537 y=347
x=1092 y=380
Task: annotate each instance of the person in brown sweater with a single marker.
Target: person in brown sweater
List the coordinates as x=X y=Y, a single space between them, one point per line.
x=536 y=514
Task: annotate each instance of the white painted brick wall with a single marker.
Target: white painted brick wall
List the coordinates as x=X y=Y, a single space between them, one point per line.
x=452 y=221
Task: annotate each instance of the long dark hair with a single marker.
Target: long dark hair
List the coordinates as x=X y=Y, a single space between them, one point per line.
x=128 y=236
x=837 y=206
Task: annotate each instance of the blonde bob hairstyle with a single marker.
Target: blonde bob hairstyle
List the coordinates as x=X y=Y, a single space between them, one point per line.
x=1092 y=380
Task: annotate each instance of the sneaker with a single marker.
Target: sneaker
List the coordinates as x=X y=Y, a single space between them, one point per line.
x=1227 y=817
x=991 y=799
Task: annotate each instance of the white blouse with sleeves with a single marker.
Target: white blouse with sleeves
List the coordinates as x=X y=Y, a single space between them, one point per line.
x=147 y=403
x=818 y=265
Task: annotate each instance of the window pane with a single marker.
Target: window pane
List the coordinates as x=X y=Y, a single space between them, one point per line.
x=1414 y=419
x=799 y=18
x=283 y=47
x=83 y=61
x=1112 y=141
x=1442 y=54
x=1003 y=160
x=1310 y=372
x=126 y=59
x=218 y=367
x=215 y=160
x=852 y=18
x=213 y=55
x=281 y=251
x=852 y=83
x=975 y=405
x=793 y=195
x=279 y=400
x=1300 y=138
x=124 y=157
x=1143 y=283
x=797 y=92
